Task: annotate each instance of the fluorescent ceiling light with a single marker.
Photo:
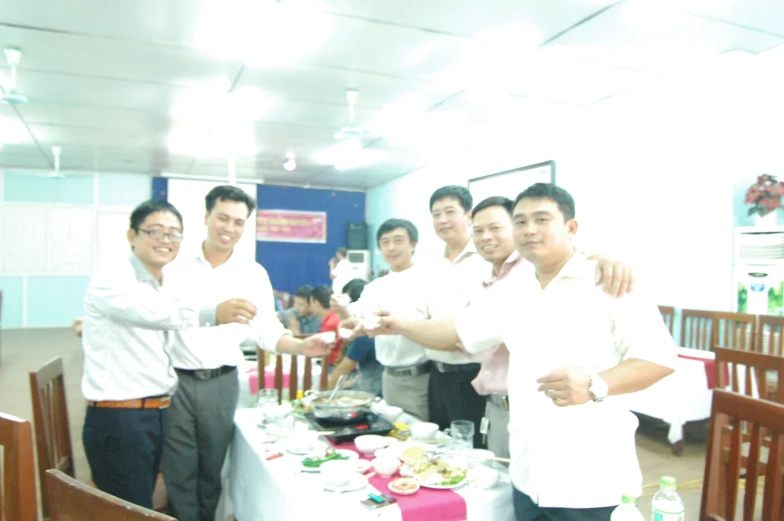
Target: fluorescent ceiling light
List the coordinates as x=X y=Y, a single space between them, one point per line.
x=350 y=154
x=262 y=32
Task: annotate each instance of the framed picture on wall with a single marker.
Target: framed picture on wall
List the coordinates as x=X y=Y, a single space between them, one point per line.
x=509 y=183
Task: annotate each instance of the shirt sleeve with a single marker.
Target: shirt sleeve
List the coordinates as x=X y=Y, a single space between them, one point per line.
x=639 y=332
x=122 y=297
x=478 y=327
x=266 y=327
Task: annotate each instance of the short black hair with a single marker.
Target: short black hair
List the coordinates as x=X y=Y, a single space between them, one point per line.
x=558 y=195
x=304 y=291
x=140 y=213
x=497 y=200
x=229 y=193
x=321 y=294
x=342 y=251
x=354 y=288
x=460 y=193
x=393 y=224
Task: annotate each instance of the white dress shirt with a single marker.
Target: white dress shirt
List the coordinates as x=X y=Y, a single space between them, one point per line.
x=453 y=285
x=578 y=456
x=236 y=278
x=124 y=333
x=402 y=294
x=343 y=273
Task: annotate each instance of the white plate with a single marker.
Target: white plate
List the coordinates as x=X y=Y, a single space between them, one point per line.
x=444 y=487
x=316 y=447
x=358 y=481
x=350 y=454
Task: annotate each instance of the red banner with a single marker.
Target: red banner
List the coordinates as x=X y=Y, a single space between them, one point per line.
x=291 y=226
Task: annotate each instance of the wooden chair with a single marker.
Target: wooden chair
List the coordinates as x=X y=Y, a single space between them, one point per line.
x=52 y=428
x=740 y=413
x=307 y=378
x=1 y=323
x=17 y=496
x=668 y=315
x=752 y=374
x=697 y=329
x=734 y=330
x=72 y=500
x=770 y=335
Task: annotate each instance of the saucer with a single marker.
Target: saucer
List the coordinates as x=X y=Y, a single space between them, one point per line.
x=358 y=481
x=299 y=451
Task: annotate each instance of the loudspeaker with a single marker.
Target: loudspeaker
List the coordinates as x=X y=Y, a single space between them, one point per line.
x=357 y=236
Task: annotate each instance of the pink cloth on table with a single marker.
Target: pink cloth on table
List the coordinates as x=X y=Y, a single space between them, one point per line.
x=269 y=379
x=426 y=504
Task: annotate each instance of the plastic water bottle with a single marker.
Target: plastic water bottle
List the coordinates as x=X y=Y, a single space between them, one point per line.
x=627 y=510
x=667 y=504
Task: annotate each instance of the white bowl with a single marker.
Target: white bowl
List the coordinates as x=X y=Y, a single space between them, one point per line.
x=385 y=467
x=388 y=453
x=302 y=441
x=368 y=444
x=414 y=486
x=328 y=336
x=483 y=477
x=343 y=300
x=338 y=473
x=423 y=430
x=370 y=323
x=344 y=332
x=390 y=412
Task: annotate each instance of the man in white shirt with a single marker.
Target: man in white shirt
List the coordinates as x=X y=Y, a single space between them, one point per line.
x=573 y=349
x=340 y=270
x=128 y=377
x=460 y=272
x=201 y=416
x=406 y=366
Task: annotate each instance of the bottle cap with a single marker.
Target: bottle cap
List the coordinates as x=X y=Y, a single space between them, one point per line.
x=668 y=482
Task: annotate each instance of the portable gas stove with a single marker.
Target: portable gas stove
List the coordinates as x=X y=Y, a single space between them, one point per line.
x=371 y=424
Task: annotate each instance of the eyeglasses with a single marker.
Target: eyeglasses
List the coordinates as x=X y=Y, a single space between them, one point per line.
x=160 y=234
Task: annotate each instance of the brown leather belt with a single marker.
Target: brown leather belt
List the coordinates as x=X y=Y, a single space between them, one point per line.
x=160 y=402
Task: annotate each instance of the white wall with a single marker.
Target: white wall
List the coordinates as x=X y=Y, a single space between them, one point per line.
x=653 y=173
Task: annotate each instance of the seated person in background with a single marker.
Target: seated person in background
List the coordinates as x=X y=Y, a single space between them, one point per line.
x=300 y=319
x=77 y=327
x=360 y=355
x=340 y=270
x=319 y=303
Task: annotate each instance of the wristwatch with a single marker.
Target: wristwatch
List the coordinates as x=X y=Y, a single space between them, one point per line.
x=598 y=388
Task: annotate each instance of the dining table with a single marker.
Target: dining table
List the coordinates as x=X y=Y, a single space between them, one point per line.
x=266 y=482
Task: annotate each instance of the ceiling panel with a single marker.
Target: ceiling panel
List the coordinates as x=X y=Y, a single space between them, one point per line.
x=767 y=15
x=643 y=37
x=80 y=116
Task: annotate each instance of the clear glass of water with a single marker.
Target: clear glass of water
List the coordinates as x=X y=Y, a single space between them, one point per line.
x=266 y=401
x=462 y=434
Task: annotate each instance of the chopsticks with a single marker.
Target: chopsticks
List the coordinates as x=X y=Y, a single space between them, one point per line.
x=477 y=456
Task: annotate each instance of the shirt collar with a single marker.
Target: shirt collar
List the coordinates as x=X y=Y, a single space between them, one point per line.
x=201 y=258
x=510 y=262
x=142 y=273
x=470 y=249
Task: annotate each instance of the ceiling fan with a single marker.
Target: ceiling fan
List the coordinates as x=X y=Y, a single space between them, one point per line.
x=56 y=174
x=11 y=97
x=351 y=130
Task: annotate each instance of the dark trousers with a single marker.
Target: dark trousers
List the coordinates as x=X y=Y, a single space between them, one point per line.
x=201 y=427
x=451 y=397
x=123 y=448
x=526 y=510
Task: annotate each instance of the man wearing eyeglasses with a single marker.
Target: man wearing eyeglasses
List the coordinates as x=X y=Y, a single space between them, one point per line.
x=201 y=417
x=128 y=378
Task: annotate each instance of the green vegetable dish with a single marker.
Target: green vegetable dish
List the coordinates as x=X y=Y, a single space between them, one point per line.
x=314 y=463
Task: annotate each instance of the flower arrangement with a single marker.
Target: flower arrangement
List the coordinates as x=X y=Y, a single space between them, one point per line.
x=765 y=195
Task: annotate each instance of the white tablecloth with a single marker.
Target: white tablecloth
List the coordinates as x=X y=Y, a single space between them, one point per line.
x=275 y=490
x=682 y=397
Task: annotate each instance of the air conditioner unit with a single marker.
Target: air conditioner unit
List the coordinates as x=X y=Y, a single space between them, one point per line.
x=360 y=263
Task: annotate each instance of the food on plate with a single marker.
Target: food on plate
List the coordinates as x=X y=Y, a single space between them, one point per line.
x=413 y=453
x=434 y=472
x=403 y=486
x=300 y=407
x=317 y=461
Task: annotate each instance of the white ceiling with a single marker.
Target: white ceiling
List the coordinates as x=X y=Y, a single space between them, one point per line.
x=137 y=86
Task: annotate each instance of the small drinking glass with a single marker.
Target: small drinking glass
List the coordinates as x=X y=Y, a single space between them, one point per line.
x=462 y=434
x=266 y=400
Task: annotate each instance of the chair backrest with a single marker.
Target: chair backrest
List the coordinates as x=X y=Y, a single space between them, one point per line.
x=750 y=373
x=17 y=495
x=52 y=427
x=1 y=323
x=770 y=335
x=72 y=500
x=734 y=330
x=697 y=329
x=668 y=315
x=730 y=411
x=293 y=384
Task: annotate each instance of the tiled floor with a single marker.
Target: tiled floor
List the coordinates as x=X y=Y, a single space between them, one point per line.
x=24 y=350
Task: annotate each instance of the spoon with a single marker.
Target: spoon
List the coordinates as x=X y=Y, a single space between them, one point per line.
x=337 y=388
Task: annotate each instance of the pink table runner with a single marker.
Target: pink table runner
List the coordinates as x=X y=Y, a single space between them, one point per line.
x=426 y=505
